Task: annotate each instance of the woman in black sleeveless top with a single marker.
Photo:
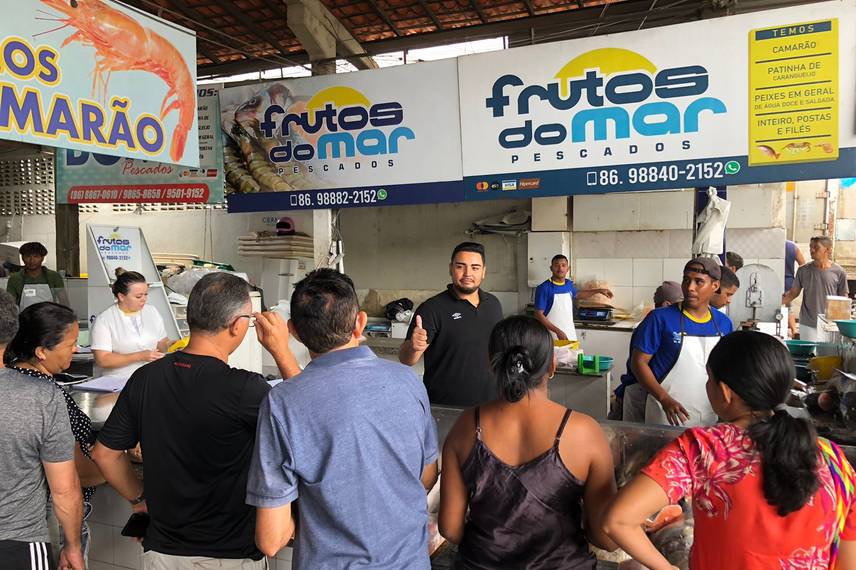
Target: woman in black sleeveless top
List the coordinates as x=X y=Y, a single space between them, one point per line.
x=531 y=472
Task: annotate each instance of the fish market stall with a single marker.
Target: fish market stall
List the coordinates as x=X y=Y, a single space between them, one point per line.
x=633 y=446
x=827 y=375
x=587 y=392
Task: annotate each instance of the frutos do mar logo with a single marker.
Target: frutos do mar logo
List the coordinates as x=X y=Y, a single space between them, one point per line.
x=605 y=96
x=114 y=247
x=337 y=123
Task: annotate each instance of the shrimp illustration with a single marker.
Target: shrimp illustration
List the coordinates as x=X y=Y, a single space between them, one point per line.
x=123 y=44
x=768 y=150
x=795 y=148
x=828 y=148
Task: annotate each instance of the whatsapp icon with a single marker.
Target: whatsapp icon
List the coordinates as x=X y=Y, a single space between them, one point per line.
x=732 y=167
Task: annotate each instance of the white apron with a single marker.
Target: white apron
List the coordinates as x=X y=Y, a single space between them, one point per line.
x=33 y=293
x=562 y=315
x=808 y=333
x=686 y=381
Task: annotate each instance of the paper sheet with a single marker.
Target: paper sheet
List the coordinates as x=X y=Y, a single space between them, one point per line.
x=103 y=384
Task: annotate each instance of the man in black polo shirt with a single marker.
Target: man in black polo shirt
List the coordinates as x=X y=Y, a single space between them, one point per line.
x=195 y=418
x=452 y=330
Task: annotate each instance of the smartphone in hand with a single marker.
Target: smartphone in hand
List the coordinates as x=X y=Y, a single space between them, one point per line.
x=137 y=525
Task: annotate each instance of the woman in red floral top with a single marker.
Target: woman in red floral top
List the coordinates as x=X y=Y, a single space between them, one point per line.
x=763 y=494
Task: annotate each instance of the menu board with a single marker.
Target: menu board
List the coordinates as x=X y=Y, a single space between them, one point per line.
x=793 y=93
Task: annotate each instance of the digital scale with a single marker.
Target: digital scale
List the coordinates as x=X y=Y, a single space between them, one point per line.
x=598 y=315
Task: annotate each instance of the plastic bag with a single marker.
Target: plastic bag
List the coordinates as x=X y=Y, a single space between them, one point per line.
x=566 y=357
x=183 y=282
x=710 y=236
x=598 y=299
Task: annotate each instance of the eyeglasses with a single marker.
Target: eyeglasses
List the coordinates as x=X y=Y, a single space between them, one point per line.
x=251 y=318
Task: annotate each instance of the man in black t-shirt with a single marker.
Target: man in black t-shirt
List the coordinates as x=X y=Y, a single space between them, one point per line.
x=452 y=330
x=195 y=418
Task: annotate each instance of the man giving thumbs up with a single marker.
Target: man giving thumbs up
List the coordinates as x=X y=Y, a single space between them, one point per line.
x=452 y=330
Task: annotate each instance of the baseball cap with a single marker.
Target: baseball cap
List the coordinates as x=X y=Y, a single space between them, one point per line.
x=705 y=265
x=668 y=291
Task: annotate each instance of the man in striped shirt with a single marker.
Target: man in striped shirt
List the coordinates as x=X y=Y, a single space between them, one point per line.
x=37 y=448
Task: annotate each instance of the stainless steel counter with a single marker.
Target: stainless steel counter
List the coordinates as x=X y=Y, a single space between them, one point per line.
x=97 y=410
x=626 y=325
x=587 y=394
x=582 y=393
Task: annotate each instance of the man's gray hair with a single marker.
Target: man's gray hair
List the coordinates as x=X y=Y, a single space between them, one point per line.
x=215 y=301
x=825 y=241
x=8 y=318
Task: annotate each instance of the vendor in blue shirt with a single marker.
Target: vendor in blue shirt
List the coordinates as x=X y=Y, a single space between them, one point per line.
x=554 y=300
x=669 y=353
x=630 y=396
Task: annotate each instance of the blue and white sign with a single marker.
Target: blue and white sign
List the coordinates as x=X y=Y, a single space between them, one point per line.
x=367 y=138
x=667 y=108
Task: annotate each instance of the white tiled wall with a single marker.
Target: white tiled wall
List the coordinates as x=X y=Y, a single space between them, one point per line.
x=634 y=211
x=757 y=206
x=680 y=244
x=636 y=241
x=641 y=244
x=594 y=244
x=623 y=296
x=109 y=550
x=588 y=269
x=673 y=269
x=634 y=263
x=632 y=280
x=757 y=243
x=666 y=210
x=633 y=244
x=618 y=271
x=647 y=272
x=550 y=214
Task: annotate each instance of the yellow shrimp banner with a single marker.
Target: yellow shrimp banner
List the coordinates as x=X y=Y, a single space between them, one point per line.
x=98 y=76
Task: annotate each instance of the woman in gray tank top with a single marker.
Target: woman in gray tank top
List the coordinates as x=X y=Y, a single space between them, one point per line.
x=530 y=472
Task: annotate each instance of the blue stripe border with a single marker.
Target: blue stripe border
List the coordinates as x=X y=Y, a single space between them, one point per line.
x=575 y=181
x=358 y=197
x=565 y=182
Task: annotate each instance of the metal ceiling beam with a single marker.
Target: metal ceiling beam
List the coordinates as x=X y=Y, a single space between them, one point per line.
x=475 y=5
x=205 y=53
x=620 y=17
x=278 y=8
x=542 y=25
x=431 y=14
x=385 y=18
x=529 y=8
x=239 y=15
x=189 y=13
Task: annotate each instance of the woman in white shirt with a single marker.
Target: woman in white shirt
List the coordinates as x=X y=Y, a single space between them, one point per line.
x=129 y=334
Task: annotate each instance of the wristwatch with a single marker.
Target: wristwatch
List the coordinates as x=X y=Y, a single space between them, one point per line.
x=138 y=500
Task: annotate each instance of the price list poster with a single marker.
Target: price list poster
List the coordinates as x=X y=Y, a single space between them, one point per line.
x=793 y=93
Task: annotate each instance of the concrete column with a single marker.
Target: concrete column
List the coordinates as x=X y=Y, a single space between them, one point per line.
x=323 y=37
x=318 y=41
x=322 y=236
x=68 y=239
